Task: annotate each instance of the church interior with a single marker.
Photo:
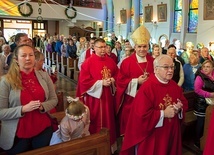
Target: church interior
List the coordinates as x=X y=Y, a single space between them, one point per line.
x=176 y=22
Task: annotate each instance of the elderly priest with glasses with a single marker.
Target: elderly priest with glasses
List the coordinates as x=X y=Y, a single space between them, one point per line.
x=154 y=124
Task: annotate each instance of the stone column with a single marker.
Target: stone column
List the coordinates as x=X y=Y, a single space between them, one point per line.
x=136 y=5
x=110 y=16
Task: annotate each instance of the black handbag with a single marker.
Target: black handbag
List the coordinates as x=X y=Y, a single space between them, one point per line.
x=200 y=105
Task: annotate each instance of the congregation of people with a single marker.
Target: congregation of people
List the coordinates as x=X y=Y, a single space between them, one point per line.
x=122 y=86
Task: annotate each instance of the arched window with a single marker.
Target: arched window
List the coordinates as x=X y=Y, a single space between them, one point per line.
x=177 y=16
x=193 y=16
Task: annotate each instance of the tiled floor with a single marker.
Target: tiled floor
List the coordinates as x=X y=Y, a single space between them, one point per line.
x=68 y=87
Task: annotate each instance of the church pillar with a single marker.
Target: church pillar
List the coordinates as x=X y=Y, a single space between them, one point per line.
x=185 y=9
x=136 y=5
x=128 y=24
x=110 y=16
x=105 y=22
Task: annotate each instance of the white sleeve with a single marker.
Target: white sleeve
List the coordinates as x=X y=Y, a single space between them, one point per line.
x=81 y=59
x=96 y=89
x=160 y=122
x=180 y=114
x=132 y=87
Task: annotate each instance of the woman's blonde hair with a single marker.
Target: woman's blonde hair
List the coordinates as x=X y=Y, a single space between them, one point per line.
x=13 y=76
x=76 y=108
x=207 y=61
x=39 y=55
x=82 y=42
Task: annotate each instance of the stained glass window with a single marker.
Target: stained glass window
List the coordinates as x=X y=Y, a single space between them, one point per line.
x=177 y=16
x=193 y=16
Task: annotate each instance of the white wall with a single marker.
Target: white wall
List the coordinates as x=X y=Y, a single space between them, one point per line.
x=205 y=32
x=205 y=27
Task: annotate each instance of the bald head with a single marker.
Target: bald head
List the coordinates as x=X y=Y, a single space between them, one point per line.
x=164 y=67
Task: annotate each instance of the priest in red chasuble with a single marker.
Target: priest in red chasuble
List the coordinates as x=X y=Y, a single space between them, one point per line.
x=134 y=71
x=96 y=86
x=154 y=124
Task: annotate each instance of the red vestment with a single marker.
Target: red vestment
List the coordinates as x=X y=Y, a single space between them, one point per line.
x=88 y=54
x=130 y=69
x=94 y=70
x=141 y=130
x=208 y=149
x=113 y=56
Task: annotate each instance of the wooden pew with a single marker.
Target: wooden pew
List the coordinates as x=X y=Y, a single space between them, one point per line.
x=70 y=67
x=53 y=57
x=96 y=144
x=58 y=62
x=46 y=58
x=76 y=70
x=58 y=115
x=64 y=65
x=60 y=105
x=190 y=118
x=189 y=123
x=49 y=59
x=208 y=114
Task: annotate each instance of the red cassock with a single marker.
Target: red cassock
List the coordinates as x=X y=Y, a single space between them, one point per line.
x=130 y=69
x=141 y=131
x=208 y=149
x=113 y=56
x=102 y=112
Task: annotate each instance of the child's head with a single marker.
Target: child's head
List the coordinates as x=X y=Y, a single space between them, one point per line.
x=76 y=109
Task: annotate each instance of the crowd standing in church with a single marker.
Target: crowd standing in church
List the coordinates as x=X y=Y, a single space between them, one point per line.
x=113 y=78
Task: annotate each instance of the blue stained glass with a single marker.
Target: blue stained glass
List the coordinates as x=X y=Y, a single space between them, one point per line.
x=193 y=21
x=177 y=21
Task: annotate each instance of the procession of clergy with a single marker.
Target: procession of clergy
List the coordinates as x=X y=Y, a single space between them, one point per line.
x=141 y=95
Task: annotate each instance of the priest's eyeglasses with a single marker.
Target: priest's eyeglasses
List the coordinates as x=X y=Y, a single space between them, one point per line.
x=100 y=46
x=167 y=67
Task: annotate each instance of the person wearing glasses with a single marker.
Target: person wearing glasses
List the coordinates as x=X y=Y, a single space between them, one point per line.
x=178 y=75
x=134 y=70
x=154 y=124
x=96 y=86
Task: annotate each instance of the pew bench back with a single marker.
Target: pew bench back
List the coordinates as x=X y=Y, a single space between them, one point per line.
x=96 y=144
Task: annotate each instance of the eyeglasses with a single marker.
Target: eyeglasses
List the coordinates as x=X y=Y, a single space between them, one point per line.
x=101 y=46
x=167 y=67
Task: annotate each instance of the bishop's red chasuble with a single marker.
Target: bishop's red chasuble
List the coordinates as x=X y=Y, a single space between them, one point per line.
x=130 y=69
